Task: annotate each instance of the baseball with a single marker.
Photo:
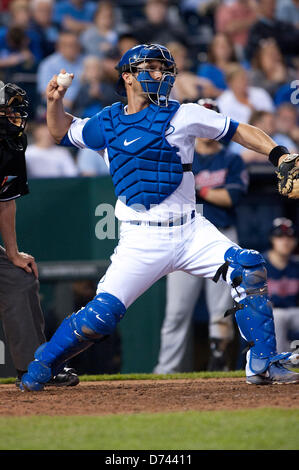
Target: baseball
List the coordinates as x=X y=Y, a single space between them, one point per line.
x=64 y=79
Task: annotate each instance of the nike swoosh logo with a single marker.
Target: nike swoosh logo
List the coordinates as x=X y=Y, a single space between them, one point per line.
x=126 y=143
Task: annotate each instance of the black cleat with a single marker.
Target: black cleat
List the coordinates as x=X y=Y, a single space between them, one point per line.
x=66 y=378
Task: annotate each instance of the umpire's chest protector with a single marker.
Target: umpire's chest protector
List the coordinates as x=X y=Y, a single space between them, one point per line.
x=145 y=168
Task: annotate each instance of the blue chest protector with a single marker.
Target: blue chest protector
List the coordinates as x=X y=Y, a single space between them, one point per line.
x=145 y=168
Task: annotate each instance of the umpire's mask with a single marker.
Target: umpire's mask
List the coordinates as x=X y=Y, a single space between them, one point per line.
x=13 y=114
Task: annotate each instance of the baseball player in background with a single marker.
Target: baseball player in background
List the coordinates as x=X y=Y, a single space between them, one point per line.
x=283 y=281
x=220 y=180
x=149 y=147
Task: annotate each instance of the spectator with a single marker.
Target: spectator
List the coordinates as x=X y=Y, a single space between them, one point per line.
x=67 y=57
x=198 y=6
x=267 y=26
x=283 y=281
x=240 y=100
x=110 y=74
x=235 y=19
x=42 y=11
x=74 y=15
x=20 y=17
x=265 y=121
x=125 y=42
x=221 y=55
x=91 y=163
x=287 y=121
x=44 y=159
x=102 y=36
x=18 y=64
x=198 y=16
x=288 y=11
x=14 y=49
x=94 y=94
x=188 y=86
x=269 y=70
x=156 y=28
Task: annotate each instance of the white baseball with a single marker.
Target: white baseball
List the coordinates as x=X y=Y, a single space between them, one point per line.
x=64 y=79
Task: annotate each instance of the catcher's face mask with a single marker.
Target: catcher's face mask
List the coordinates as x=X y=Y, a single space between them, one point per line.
x=13 y=114
x=139 y=61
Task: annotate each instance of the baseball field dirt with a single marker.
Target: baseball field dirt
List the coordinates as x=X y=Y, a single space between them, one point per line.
x=142 y=396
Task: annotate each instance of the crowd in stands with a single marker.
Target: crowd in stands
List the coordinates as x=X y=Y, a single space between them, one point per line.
x=243 y=53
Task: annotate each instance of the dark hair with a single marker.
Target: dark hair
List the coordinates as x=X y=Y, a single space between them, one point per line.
x=211 y=55
x=257 y=115
x=16 y=37
x=256 y=59
x=127 y=35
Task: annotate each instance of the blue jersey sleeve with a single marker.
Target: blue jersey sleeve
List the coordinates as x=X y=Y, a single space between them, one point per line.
x=65 y=142
x=93 y=133
x=230 y=133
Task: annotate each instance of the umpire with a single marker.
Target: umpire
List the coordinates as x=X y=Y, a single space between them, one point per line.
x=20 y=310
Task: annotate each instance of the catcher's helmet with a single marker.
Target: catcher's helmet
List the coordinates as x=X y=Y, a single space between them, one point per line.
x=13 y=114
x=157 y=90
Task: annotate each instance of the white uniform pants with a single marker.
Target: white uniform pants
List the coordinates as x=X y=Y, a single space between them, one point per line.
x=183 y=291
x=147 y=253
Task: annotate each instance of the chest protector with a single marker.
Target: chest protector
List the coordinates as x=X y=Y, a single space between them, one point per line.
x=145 y=168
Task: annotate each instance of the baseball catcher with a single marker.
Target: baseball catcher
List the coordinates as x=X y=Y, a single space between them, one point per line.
x=149 y=147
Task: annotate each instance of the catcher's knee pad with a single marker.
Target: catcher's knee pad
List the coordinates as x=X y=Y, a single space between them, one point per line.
x=248 y=276
x=99 y=317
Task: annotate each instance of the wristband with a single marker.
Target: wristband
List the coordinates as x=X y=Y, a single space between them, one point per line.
x=204 y=191
x=276 y=153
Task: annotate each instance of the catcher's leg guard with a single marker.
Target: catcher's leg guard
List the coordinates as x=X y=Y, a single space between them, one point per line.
x=75 y=334
x=248 y=276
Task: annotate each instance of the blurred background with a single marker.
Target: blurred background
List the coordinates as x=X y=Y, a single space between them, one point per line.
x=242 y=53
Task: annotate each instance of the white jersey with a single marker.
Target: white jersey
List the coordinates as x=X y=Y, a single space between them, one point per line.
x=190 y=121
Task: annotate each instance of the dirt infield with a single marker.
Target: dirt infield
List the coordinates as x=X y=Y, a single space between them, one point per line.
x=99 y=398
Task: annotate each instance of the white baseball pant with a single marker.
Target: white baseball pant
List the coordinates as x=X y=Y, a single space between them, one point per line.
x=285 y=319
x=145 y=254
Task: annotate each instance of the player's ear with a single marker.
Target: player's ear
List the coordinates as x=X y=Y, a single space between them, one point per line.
x=127 y=77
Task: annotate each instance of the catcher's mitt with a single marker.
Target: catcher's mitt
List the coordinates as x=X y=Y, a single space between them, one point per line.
x=288 y=176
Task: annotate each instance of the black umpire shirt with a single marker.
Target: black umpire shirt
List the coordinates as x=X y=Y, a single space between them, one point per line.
x=13 y=174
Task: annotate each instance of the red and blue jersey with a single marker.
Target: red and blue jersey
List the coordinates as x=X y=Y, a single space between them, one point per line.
x=283 y=284
x=221 y=170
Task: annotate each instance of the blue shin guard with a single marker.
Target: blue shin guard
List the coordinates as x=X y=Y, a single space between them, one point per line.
x=253 y=309
x=75 y=334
